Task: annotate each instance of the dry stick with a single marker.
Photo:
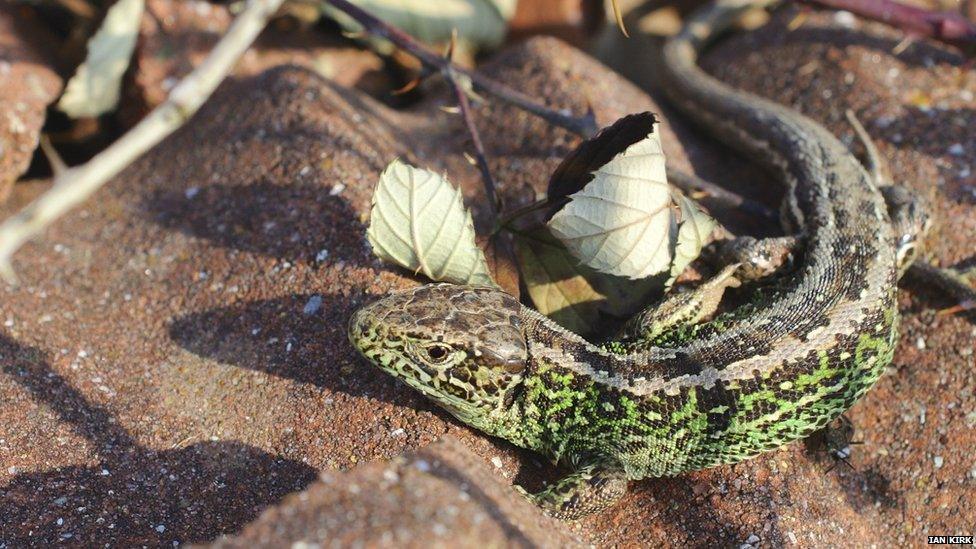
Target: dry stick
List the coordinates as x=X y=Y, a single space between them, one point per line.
x=580 y=125
x=690 y=183
x=74 y=185
x=583 y=126
x=479 y=147
x=946 y=26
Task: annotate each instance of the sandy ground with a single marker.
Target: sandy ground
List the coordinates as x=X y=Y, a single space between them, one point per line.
x=175 y=360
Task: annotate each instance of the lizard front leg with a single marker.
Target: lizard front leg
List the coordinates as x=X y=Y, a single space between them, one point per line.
x=758 y=258
x=590 y=489
x=678 y=310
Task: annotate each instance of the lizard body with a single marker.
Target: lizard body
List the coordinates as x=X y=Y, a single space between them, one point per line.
x=723 y=391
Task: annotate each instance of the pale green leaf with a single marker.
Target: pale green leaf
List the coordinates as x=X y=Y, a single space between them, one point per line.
x=94 y=88
x=693 y=234
x=419 y=221
x=481 y=23
x=621 y=222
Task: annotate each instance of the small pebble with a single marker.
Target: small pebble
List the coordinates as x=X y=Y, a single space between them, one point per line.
x=313 y=305
x=920 y=343
x=336 y=189
x=845 y=19
x=322 y=255
x=938 y=461
x=191 y=192
x=160 y=528
x=497 y=462
x=752 y=539
x=956 y=149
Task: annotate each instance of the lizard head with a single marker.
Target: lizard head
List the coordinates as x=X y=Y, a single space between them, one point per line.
x=460 y=346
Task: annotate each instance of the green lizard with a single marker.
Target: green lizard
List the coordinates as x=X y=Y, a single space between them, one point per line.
x=677 y=393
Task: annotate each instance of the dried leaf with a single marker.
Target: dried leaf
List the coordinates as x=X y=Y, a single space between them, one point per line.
x=419 y=221
x=481 y=23
x=621 y=222
x=94 y=88
x=576 y=170
x=570 y=293
x=693 y=233
x=501 y=262
x=556 y=284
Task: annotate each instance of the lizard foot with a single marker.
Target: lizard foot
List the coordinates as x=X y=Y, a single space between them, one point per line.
x=589 y=490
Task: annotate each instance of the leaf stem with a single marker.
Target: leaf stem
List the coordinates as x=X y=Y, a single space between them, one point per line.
x=507 y=219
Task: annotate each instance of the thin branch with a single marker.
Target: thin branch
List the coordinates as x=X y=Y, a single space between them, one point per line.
x=691 y=183
x=479 y=148
x=73 y=186
x=946 y=26
x=584 y=126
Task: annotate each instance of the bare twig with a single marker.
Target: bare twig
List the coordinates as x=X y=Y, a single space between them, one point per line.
x=73 y=186
x=691 y=183
x=946 y=26
x=58 y=165
x=585 y=126
x=479 y=148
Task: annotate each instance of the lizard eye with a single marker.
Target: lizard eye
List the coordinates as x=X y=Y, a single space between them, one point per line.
x=438 y=353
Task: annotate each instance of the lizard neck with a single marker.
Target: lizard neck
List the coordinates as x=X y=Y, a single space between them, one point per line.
x=556 y=400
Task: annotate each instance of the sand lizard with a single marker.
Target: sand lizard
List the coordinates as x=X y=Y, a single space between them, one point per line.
x=703 y=393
